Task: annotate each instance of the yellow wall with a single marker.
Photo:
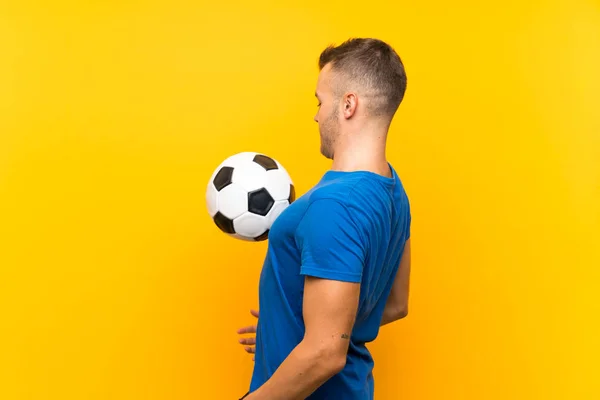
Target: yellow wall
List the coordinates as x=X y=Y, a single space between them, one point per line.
x=115 y=284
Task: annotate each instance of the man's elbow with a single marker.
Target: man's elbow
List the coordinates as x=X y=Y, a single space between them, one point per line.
x=402 y=311
x=331 y=360
x=339 y=363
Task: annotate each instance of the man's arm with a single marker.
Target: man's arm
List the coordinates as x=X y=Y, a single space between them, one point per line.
x=396 y=306
x=329 y=311
x=333 y=249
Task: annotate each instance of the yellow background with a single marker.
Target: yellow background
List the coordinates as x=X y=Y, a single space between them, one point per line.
x=115 y=284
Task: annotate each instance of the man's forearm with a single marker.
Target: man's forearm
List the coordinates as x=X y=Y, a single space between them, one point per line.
x=300 y=374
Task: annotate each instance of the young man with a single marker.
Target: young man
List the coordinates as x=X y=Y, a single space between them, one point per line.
x=338 y=262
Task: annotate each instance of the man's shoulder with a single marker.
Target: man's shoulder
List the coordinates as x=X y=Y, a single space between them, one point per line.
x=357 y=195
x=335 y=190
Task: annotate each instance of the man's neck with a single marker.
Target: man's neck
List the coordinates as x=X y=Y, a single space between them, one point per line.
x=362 y=155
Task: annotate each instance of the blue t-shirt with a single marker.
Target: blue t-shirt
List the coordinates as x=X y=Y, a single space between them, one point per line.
x=352 y=226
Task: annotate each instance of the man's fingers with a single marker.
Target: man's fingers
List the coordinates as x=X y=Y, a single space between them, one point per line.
x=247 y=329
x=250 y=341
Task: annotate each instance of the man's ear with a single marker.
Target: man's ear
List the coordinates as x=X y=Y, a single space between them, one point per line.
x=349 y=105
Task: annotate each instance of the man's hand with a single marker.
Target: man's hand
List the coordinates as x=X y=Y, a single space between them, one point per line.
x=249 y=341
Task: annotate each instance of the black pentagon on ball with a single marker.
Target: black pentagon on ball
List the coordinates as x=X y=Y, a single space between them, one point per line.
x=266 y=162
x=292 y=197
x=262 y=237
x=224 y=223
x=260 y=202
x=223 y=178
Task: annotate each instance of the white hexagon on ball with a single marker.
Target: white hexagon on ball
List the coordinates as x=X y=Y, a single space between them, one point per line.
x=251 y=225
x=278 y=208
x=250 y=176
x=278 y=184
x=239 y=159
x=246 y=193
x=232 y=201
x=211 y=198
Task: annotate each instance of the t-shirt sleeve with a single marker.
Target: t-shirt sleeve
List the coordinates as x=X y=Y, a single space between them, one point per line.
x=331 y=242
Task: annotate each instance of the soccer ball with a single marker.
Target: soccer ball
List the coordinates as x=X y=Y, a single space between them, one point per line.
x=246 y=193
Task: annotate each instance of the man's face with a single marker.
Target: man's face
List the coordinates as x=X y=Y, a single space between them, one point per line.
x=327 y=113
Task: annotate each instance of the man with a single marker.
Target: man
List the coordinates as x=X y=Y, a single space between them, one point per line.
x=338 y=262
